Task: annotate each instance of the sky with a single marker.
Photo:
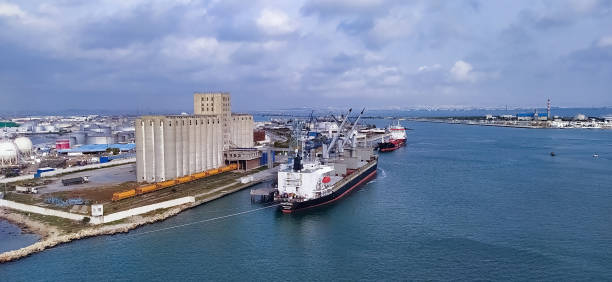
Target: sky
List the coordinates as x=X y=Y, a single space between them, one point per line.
x=148 y=55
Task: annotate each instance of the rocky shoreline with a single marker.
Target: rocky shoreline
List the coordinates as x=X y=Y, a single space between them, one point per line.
x=28 y=225
x=51 y=236
x=51 y=239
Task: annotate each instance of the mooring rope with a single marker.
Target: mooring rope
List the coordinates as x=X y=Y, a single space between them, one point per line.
x=201 y=221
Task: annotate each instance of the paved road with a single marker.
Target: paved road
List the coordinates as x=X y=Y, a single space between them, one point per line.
x=97 y=177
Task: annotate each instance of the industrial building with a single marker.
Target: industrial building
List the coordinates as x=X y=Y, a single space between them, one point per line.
x=168 y=147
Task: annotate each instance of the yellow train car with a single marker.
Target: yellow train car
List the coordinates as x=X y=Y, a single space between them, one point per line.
x=200 y=175
x=165 y=184
x=124 y=194
x=146 y=189
x=183 y=179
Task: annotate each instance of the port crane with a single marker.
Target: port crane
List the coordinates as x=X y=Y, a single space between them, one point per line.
x=335 y=139
x=351 y=133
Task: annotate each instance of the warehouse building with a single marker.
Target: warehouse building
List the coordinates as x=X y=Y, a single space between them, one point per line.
x=168 y=147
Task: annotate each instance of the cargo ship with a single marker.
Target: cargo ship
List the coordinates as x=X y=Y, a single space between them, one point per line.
x=387 y=146
x=312 y=180
x=397 y=138
x=398 y=134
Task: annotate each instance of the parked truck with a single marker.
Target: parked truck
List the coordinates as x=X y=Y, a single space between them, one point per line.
x=75 y=180
x=26 y=190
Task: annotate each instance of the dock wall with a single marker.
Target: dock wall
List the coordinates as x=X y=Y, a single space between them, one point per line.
x=96 y=219
x=40 y=210
x=140 y=210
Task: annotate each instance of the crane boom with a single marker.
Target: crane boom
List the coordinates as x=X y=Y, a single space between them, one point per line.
x=349 y=136
x=335 y=139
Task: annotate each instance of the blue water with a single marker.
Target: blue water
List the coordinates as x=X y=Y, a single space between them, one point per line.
x=458 y=203
x=11 y=237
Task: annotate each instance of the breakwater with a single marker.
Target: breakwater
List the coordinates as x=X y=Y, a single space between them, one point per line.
x=52 y=239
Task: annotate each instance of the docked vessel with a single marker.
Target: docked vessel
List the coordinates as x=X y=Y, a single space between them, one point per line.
x=398 y=134
x=388 y=146
x=397 y=138
x=313 y=179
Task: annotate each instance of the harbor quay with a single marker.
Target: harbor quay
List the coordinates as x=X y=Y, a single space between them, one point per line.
x=64 y=190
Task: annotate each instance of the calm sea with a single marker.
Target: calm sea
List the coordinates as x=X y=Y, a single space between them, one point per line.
x=458 y=203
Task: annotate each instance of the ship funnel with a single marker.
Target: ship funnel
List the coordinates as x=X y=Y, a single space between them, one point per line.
x=297 y=163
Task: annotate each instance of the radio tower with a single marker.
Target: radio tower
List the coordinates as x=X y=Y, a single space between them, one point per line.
x=548 y=109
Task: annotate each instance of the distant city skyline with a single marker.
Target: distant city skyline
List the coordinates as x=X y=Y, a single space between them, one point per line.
x=151 y=56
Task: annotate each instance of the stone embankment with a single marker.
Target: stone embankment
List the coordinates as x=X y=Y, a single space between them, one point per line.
x=54 y=240
x=51 y=237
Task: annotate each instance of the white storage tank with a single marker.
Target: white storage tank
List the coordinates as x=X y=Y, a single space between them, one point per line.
x=8 y=152
x=99 y=139
x=24 y=145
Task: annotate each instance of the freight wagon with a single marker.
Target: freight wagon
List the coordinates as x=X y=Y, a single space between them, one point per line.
x=165 y=184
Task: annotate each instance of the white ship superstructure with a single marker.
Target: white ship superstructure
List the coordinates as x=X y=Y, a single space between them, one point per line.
x=312 y=181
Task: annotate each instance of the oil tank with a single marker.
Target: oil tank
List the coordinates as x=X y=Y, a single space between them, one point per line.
x=99 y=139
x=8 y=152
x=24 y=145
x=78 y=138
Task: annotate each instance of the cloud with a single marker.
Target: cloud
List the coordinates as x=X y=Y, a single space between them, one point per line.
x=275 y=22
x=605 y=41
x=429 y=68
x=326 y=9
x=11 y=10
x=462 y=71
x=317 y=52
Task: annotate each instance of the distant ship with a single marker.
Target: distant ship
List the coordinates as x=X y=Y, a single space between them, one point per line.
x=314 y=180
x=396 y=140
